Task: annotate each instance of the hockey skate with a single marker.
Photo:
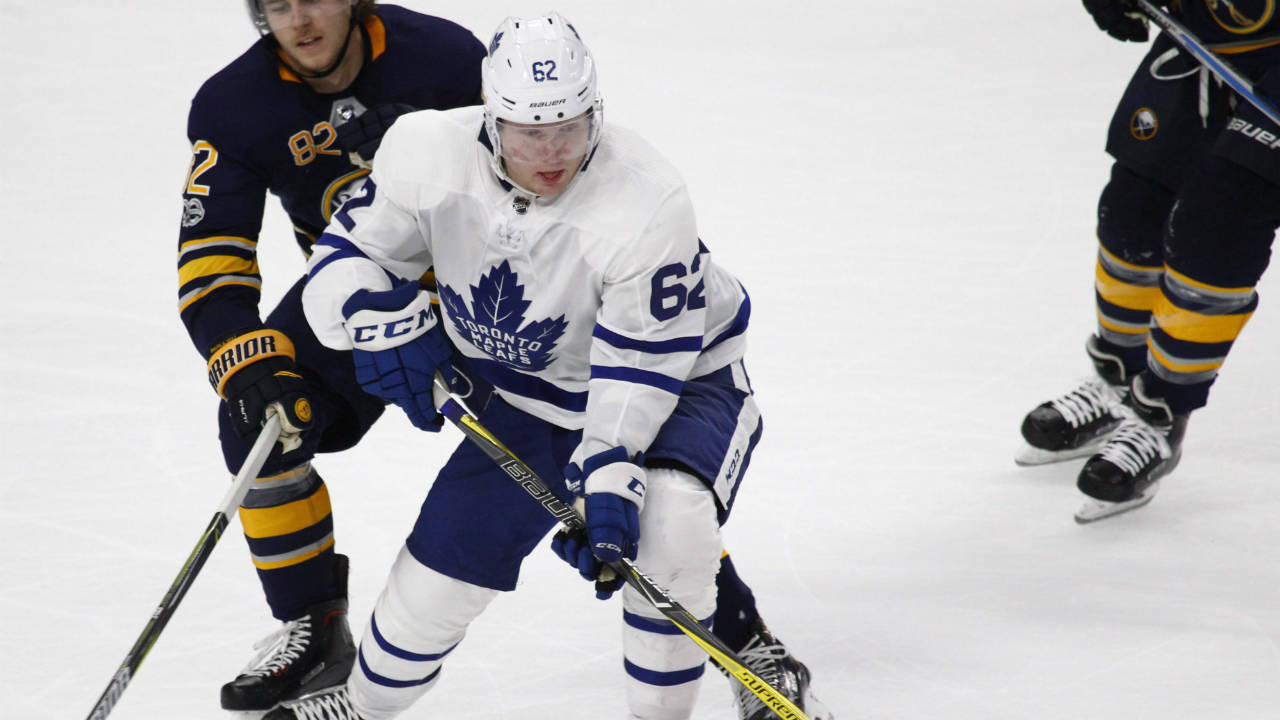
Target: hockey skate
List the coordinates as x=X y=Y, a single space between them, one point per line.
x=1125 y=475
x=768 y=658
x=305 y=655
x=331 y=704
x=1077 y=423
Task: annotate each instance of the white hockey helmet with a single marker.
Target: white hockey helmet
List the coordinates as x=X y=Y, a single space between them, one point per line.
x=539 y=72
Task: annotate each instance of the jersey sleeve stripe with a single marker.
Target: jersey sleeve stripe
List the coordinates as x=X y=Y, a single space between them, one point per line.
x=303 y=236
x=185 y=300
x=342 y=249
x=622 y=342
x=216 y=265
x=217 y=250
x=740 y=321
x=216 y=240
x=637 y=376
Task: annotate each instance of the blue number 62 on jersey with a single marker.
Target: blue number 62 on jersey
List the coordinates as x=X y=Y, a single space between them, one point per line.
x=544 y=70
x=668 y=299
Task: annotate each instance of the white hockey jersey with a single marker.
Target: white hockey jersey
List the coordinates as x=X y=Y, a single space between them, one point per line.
x=588 y=310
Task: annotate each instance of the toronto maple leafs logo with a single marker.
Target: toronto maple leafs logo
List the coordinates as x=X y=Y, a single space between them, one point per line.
x=493 y=321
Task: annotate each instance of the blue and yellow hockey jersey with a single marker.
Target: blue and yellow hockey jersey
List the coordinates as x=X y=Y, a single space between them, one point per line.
x=255 y=127
x=1246 y=29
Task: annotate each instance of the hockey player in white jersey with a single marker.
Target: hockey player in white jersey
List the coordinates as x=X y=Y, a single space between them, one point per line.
x=571 y=275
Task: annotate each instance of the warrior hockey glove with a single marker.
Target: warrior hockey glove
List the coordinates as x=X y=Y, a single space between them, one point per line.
x=397 y=349
x=360 y=136
x=614 y=489
x=1121 y=19
x=255 y=374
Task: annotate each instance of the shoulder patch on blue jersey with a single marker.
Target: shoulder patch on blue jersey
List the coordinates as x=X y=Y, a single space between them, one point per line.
x=192 y=212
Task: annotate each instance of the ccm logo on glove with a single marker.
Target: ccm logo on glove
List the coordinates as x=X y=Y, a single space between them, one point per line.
x=392 y=329
x=387 y=319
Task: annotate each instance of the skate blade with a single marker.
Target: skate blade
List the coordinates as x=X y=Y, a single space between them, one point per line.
x=814 y=708
x=1029 y=456
x=1093 y=510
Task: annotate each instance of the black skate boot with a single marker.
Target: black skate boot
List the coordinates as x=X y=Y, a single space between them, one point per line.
x=1125 y=474
x=1077 y=423
x=330 y=704
x=768 y=658
x=308 y=654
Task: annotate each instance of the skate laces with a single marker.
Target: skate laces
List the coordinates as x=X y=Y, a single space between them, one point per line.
x=280 y=648
x=334 y=705
x=1086 y=403
x=763 y=656
x=1134 y=445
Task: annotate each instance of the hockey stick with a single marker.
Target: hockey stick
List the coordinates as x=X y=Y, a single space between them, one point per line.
x=452 y=407
x=239 y=487
x=1209 y=59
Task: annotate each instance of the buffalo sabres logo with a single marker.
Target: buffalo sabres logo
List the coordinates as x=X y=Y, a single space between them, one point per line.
x=1241 y=17
x=192 y=212
x=340 y=191
x=1143 y=124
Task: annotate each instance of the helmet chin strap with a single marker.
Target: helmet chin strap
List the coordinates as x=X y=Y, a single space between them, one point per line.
x=332 y=66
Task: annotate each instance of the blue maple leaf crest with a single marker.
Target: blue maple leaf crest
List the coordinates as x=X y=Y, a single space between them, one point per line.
x=492 y=322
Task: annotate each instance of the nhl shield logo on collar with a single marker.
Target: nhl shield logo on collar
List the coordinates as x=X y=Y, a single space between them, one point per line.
x=344 y=109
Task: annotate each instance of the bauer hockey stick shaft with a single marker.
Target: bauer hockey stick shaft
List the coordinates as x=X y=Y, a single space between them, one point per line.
x=1216 y=65
x=235 y=495
x=453 y=408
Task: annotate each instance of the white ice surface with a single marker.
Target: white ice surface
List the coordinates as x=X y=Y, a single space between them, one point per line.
x=908 y=190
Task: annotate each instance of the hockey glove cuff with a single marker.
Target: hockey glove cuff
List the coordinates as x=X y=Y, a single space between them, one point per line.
x=397 y=347
x=614 y=489
x=256 y=375
x=1121 y=19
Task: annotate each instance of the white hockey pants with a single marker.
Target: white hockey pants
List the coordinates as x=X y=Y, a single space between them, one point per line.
x=422 y=615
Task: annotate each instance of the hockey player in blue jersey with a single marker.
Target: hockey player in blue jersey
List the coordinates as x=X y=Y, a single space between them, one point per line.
x=289 y=117
x=1185 y=228
x=571 y=278
x=300 y=115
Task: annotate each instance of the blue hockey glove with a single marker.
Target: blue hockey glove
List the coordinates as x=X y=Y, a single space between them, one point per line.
x=1121 y=19
x=255 y=374
x=362 y=135
x=572 y=547
x=614 y=495
x=397 y=347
